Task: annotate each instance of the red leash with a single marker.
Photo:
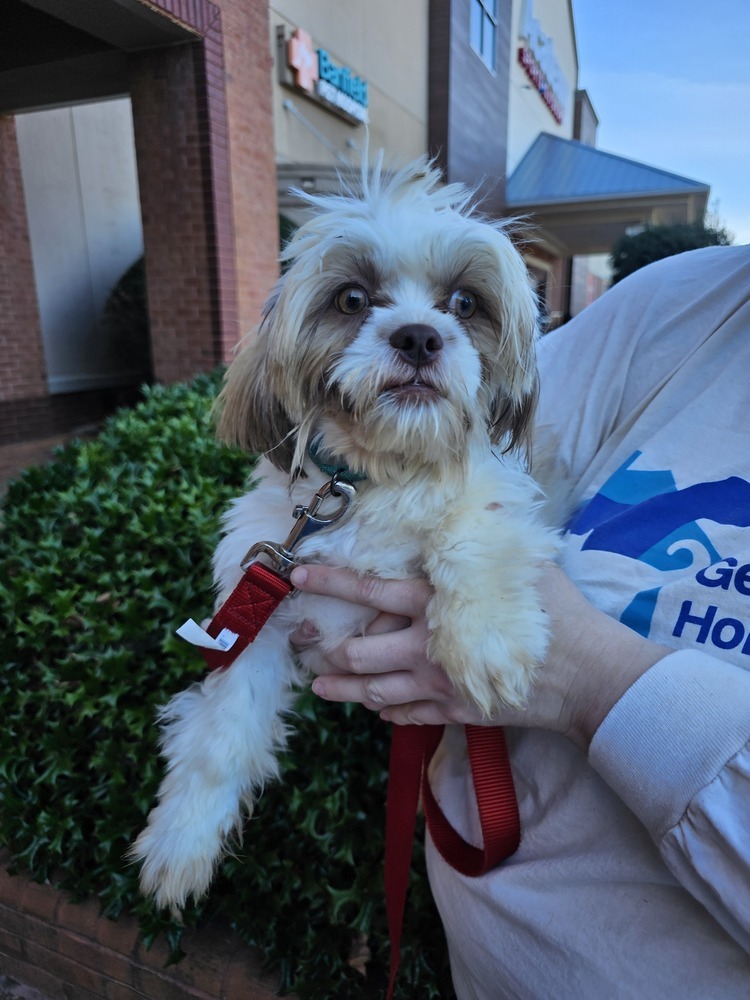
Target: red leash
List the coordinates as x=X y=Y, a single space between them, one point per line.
x=246 y=611
x=412 y=749
x=262 y=589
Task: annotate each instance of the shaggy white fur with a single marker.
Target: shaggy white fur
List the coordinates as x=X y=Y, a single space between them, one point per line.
x=401 y=341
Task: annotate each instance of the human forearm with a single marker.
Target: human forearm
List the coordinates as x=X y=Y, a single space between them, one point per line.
x=675 y=749
x=592 y=660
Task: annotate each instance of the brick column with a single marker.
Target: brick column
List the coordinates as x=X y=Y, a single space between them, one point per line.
x=22 y=373
x=203 y=125
x=176 y=225
x=249 y=68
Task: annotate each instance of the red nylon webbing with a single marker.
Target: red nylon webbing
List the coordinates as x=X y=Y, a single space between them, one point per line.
x=408 y=745
x=246 y=611
x=412 y=748
x=496 y=801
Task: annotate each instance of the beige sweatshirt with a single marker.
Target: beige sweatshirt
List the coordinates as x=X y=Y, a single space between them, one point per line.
x=632 y=879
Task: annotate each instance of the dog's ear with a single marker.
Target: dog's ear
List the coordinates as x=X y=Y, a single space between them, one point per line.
x=515 y=385
x=512 y=418
x=248 y=413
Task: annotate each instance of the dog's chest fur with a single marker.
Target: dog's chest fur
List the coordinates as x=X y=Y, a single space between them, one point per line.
x=390 y=532
x=378 y=535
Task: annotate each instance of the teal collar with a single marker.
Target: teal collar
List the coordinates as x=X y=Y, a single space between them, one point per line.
x=334 y=466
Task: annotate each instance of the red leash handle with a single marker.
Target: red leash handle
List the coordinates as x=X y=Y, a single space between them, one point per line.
x=496 y=801
x=412 y=749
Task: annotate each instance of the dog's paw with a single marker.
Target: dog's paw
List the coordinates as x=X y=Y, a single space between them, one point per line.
x=490 y=658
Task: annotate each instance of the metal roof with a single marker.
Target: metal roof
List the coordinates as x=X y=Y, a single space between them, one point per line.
x=556 y=170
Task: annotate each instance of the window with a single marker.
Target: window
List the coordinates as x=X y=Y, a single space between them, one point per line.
x=483 y=30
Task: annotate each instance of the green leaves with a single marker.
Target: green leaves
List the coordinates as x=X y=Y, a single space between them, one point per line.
x=103 y=553
x=636 y=250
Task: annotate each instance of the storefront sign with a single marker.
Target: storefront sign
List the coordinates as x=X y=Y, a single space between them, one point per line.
x=314 y=72
x=537 y=56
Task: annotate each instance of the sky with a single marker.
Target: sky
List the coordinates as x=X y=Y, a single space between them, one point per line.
x=670 y=83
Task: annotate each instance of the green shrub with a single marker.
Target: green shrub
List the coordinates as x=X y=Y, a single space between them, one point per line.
x=125 y=320
x=102 y=554
x=632 y=252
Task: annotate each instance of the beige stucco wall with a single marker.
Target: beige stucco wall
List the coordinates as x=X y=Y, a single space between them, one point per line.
x=528 y=114
x=384 y=43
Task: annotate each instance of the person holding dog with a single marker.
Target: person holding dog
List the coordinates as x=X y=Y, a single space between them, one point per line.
x=631 y=759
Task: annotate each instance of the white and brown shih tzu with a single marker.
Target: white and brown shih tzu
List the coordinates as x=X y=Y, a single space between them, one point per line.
x=398 y=347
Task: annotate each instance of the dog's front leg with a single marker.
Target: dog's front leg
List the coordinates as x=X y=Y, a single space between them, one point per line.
x=220 y=741
x=486 y=627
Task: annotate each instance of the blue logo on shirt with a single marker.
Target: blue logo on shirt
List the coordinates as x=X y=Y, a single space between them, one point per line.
x=643 y=515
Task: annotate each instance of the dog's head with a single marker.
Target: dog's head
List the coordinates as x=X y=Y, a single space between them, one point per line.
x=404 y=325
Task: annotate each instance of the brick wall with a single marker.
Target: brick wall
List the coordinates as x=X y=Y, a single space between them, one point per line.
x=252 y=154
x=205 y=150
x=204 y=138
x=70 y=951
x=22 y=372
x=29 y=418
x=176 y=234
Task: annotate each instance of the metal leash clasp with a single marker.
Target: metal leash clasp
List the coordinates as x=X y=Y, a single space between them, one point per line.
x=308 y=520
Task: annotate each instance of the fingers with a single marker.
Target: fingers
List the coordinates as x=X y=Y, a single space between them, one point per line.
x=355 y=656
x=387 y=670
x=387 y=623
x=397 y=699
x=421 y=713
x=374 y=692
x=382 y=688
x=380 y=654
x=400 y=597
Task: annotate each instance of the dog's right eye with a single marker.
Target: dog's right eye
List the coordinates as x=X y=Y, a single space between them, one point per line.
x=351 y=300
x=463 y=303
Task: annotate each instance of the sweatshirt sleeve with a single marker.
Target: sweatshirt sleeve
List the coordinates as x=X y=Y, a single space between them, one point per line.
x=676 y=749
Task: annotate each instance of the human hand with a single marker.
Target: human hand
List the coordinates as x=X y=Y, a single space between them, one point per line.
x=387 y=669
x=591 y=661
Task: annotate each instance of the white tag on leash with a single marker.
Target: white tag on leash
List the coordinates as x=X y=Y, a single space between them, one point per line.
x=197 y=636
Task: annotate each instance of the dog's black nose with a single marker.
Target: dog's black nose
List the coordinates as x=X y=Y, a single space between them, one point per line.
x=417 y=343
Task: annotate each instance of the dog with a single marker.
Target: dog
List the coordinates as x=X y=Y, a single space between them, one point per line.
x=399 y=349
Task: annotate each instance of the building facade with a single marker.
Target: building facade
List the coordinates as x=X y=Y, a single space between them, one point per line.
x=344 y=80
x=176 y=129
x=197 y=77
x=490 y=90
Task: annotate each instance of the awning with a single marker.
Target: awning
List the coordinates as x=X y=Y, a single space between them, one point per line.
x=580 y=200
x=53 y=53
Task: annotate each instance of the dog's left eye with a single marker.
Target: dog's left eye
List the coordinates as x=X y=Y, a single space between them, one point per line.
x=351 y=300
x=463 y=303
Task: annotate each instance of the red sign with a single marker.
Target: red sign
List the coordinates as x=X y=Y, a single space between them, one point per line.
x=534 y=72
